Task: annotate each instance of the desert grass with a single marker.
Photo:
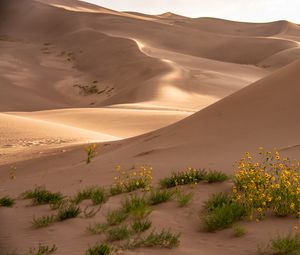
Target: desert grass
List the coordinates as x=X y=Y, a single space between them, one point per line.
x=139 y=226
x=158 y=196
x=238 y=230
x=288 y=244
x=162 y=239
x=68 y=210
x=40 y=196
x=116 y=217
x=118 y=233
x=6 y=201
x=100 y=249
x=136 y=206
x=192 y=176
x=97 y=228
x=184 y=198
x=96 y=193
x=43 y=221
x=42 y=250
x=220 y=212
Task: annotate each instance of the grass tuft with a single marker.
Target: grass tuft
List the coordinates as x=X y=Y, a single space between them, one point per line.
x=159 y=196
x=215 y=176
x=6 y=201
x=95 y=193
x=68 y=210
x=42 y=250
x=40 y=196
x=118 y=233
x=98 y=228
x=140 y=226
x=116 y=217
x=238 y=230
x=136 y=206
x=100 y=249
x=217 y=200
x=184 y=198
x=43 y=221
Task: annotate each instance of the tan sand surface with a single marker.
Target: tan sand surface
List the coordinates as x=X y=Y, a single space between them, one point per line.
x=164 y=90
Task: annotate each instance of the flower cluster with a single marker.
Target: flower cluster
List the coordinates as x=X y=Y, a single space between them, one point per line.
x=90 y=151
x=133 y=179
x=270 y=183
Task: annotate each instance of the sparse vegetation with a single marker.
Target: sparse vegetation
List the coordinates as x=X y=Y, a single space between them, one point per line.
x=158 y=196
x=220 y=212
x=238 y=230
x=184 y=198
x=6 y=201
x=118 y=233
x=141 y=225
x=96 y=193
x=192 y=176
x=98 y=228
x=136 y=206
x=130 y=180
x=90 y=152
x=283 y=245
x=68 y=210
x=43 y=221
x=100 y=249
x=163 y=239
x=40 y=196
x=42 y=250
x=272 y=183
x=87 y=90
x=116 y=217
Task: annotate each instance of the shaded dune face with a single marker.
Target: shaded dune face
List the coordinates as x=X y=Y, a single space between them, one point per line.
x=74 y=44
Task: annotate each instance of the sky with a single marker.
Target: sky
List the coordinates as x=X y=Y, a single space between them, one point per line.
x=240 y=10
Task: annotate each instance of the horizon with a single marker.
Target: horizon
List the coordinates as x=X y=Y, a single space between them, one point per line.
x=237 y=10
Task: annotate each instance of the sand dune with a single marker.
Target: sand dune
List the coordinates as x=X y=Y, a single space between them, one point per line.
x=165 y=90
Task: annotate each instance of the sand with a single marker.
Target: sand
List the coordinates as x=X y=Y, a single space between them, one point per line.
x=165 y=90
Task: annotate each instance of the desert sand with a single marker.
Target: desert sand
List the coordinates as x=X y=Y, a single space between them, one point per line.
x=165 y=90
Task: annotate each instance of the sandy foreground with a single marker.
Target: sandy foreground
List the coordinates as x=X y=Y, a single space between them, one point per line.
x=164 y=90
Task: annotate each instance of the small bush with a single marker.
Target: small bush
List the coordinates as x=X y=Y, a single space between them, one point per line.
x=217 y=200
x=136 y=206
x=95 y=193
x=238 y=230
x=6 y=201
x=271 y=183
x=215 y=176
x=283 y=245
x=118 y=233
x=130 y=180
x=42 y=250
x=43 y=221
x=159 y=196
x=90 y=152
x=68 y=210
x=116 y=189
x=100 y=249
x=223 y=217
x=184 y=198
x=116 y=217
x=139 y=226
x=97 y=228
x=192 y=176
x=40 y=196
x=163 y=239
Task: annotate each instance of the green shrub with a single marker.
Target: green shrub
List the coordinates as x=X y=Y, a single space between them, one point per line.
x=238 y=230
x=215 y=176
x=118 y=233
x=42 y=250
x=95 y=193
x=184 y=198
x=163 y=239
x=139 y=226
x=217 y=200
x=68 y=210
x=100 y=249
x=43 y=221
x=159 y=196
x=223 y=216
x=40 y=196
x=116 y=190
x=6 y=201
x=136 y=206
x=116 y=217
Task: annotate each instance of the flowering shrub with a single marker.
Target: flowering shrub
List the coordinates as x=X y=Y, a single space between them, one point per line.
x=130 y=180
x=270 y=183
x=90 y=152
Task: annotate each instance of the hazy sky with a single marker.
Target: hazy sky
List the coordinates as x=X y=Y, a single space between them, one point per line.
x=243 y=10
